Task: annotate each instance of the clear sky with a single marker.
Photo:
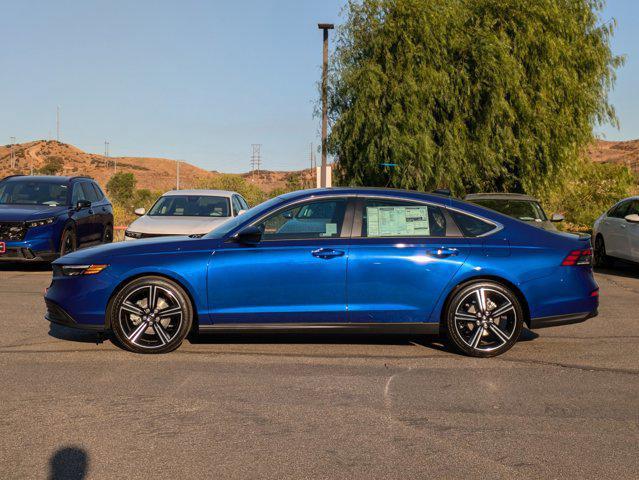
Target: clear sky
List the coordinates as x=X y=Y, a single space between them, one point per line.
x=195 y=80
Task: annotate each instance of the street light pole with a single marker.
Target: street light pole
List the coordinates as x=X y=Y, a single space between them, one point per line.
x=325 y=27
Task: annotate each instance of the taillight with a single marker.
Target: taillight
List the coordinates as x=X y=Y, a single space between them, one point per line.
x=578 y=257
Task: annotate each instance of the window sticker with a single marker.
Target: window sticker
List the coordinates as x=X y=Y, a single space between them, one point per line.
x=396 y=221
x=331 y=229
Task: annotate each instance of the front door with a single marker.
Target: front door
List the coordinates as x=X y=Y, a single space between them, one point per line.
x=82 y=217
x=401 y=257
x=296 y=274
x=615 y=232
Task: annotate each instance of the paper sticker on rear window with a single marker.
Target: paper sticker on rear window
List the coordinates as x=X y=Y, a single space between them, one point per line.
x=396 y=221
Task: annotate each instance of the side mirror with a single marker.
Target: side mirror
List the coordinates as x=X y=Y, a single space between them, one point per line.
x=634 y=218
x=240 y=212
x=557 y=217
x=249 y=236
x=288 y=215
x=82 y=204
x=139 y=211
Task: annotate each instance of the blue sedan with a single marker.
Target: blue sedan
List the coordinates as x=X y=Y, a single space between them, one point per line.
x=340 y=259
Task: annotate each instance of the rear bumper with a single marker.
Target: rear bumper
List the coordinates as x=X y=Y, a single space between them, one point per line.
x=558 y=320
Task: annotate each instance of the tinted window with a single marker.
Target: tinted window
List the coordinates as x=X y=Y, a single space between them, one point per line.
x=89 y=192
x=471 y=226
x=98 y=191
x=78 y=194
x=391 y=218
x=245 y=205
x=191 y=206
x=620 y=210
x=525 y=210
x=32 y=192
x=233 y=223
x=633 y=209
x=236 y=205
x=313 y=220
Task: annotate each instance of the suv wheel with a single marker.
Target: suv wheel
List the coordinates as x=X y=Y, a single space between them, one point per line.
x=107 y=234
x=484 y=319
x=151 y=315
x=69 y=242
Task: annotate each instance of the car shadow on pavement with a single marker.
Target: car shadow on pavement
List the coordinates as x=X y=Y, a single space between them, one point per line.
x=621 y=269
x=75 y=335
x=69 y=463
x=25 y=267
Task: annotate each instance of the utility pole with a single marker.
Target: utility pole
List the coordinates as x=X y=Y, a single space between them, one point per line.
x=57 y=122
x=177 y=183
x=12 y=156
x=325 y=27
x=256 y=159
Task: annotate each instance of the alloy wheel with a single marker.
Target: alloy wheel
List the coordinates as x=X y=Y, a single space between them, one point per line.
x=486 y=320
x=151 y=316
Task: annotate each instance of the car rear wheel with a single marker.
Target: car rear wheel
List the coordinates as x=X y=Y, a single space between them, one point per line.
x=484 y=319
x=68 y=242
x=601 y=258
x=151 y=315
x=107 y=235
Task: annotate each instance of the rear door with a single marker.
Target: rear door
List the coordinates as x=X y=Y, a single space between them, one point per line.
x=614 y=230
x=402 y=255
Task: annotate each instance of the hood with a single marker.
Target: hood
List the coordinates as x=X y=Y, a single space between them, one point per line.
x=23 y=213
x=149 y=246
x=176 y=225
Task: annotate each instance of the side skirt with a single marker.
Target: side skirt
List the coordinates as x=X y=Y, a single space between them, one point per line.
x=380 y=328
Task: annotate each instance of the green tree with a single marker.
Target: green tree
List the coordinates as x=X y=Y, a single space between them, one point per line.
x=234 y=183
x=121 y=188
x=52 y=166
x=468 y=94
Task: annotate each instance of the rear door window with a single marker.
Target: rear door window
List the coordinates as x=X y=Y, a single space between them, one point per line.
x=471 y=226
x=89 y=192
x=396 y=218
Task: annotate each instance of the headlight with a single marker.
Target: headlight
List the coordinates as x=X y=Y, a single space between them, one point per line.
x=39 y=223
x=74 y=270
x=130 y=234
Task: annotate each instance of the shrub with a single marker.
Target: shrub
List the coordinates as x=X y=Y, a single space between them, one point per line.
x=235 y=183
x=121 y=188
x=52 y=166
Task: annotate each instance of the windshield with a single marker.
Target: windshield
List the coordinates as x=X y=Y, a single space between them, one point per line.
x=191 y=206
x=525 y=210
x=33 y=192
x=256 y=211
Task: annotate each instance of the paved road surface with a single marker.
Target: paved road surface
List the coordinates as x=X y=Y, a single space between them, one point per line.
x=563 y=403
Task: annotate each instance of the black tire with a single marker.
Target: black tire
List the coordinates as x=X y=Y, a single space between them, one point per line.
x=136 y=305
x=68 y=242
x=601 y=258
x=107 y=234
x=488 y=330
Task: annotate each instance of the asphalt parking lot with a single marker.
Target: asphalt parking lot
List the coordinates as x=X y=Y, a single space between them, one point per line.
x=563 y=403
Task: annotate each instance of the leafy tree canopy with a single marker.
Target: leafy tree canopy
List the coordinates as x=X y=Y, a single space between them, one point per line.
x=468 y=94
x=121 y=188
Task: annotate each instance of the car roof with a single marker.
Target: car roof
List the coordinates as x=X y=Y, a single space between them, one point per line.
x=390 y=192
x=500 y=196
x=45 y=178
x=202 y=193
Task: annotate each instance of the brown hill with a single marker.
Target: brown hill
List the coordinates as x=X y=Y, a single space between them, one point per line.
x=269 y=181
x=151 y=173
x=626 y=153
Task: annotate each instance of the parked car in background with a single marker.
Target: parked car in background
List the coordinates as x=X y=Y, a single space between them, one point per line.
x=521 y=207
x=341 y=259
x=44 y=217
x=186 y=212
x=616 y=233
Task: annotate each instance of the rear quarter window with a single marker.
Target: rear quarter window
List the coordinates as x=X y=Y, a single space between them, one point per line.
x=471 y=226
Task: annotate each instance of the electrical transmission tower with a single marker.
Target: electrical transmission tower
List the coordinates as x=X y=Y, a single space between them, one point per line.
x=256 y=159
x=12 y=156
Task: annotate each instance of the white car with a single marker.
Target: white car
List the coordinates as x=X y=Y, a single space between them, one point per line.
x=186 y=212
x=616 y=233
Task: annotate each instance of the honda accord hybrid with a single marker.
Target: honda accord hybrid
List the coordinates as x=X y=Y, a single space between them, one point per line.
x=339 y=259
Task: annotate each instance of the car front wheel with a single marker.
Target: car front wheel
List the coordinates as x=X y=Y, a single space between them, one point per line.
x=151 y=315
x=484 y=319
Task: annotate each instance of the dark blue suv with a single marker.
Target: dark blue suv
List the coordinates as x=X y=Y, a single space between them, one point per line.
x=45 y=217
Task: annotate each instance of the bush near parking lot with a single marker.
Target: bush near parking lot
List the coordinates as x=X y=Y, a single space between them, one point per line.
x=476 y=95
x=587 y=192
x=235 y=183
x=125 y=197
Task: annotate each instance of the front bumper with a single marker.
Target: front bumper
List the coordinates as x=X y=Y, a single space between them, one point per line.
x=39 y=250
x=56 y=314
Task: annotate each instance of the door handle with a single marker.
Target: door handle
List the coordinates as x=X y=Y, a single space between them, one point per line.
x=442 y=252
x=327 y=253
